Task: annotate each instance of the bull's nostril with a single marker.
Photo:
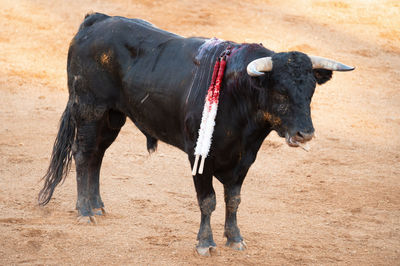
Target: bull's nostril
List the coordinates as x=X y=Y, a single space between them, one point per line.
x=299 y=135
x=305 y=136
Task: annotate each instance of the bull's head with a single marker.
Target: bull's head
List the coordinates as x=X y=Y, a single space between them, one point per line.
x=290 y=81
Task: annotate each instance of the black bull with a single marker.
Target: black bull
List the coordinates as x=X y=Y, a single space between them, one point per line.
x=120 y=68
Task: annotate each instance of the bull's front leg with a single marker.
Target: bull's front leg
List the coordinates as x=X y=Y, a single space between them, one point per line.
x=207 y=202
x=232 y=232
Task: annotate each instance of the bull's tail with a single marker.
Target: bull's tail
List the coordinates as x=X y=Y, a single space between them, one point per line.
x=61 y=157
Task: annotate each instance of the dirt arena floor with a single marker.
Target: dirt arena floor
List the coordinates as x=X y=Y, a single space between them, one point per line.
x=337 y=204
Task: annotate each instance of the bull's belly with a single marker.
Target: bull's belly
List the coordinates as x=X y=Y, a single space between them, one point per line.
x=159 y=123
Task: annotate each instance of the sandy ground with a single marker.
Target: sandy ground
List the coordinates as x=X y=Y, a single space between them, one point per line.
x=337 y=204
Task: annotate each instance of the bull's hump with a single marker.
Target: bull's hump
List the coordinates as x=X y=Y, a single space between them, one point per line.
x=140 y=25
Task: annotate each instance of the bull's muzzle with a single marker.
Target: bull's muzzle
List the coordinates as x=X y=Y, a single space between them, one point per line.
x=298 y=139
x=303 y=137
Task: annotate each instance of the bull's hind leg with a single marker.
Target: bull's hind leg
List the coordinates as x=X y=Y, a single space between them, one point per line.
x=93 y=138
x=109 y=130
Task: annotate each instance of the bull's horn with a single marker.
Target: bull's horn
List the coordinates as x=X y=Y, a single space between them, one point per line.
x=256 y=67
x=329 y=64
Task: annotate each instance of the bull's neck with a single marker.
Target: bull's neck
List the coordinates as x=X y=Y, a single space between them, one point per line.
x=241 y=105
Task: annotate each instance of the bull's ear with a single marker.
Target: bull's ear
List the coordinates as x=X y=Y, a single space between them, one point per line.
x=322 y=75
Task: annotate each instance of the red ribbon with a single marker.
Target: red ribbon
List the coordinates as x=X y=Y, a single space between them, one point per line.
x=216 y=80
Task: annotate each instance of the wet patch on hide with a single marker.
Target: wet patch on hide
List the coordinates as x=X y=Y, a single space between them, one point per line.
x=206 y=48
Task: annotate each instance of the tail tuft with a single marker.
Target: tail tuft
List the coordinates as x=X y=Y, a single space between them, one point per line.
x=61 y=157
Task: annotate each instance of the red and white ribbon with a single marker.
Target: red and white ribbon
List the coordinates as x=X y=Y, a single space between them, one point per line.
x=208 y=117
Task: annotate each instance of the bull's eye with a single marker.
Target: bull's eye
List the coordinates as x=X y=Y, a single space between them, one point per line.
x=283 y=108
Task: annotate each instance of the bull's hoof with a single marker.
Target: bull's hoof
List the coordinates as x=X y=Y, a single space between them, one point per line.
x=206 y=251
x=236 y=245
x=87 y=220
x=99 y=211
